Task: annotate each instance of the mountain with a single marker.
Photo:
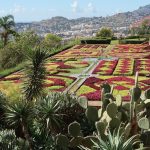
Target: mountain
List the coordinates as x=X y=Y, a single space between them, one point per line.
x=85 y=26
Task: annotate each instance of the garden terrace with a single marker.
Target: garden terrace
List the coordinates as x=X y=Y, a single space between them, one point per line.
x=82 y=69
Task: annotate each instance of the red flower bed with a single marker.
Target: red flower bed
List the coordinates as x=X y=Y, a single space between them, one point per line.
x=105 y=67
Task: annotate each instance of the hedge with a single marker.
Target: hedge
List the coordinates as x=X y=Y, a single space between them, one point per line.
x=96 y=41
x=132 y=41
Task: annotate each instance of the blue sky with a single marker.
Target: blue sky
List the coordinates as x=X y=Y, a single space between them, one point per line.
x=35 y=10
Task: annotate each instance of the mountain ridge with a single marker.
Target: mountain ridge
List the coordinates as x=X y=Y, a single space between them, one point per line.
x=59 y=24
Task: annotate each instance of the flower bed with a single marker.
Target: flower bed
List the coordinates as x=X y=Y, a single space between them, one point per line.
x=67 y=67
x=52 y=83
x=82 y=51
x=130 y=51
x=105 y=67
x=124 y=67
x=122 y=84
x=143 y=67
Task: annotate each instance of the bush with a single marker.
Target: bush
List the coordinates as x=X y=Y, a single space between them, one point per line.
x=96 y=41
x=132 y=41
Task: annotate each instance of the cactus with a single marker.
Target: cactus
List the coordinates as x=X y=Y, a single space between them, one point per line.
x=101 y=127
x=135 y=93
x=74 y=129
x=87 y=142
x=127 y=130
x=114 y=123
x=109 y=96
x=112 y=110
x=147 y=94
x=76 y=141
x=62 y=141
x=106 y=87
x=92 y=113
x=83 y=102
x=144 y=123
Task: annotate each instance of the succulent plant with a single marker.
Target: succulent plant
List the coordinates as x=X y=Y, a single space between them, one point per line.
x=62 y=141
x=144 y=123
x=92 y=113
x=83 y=102
x=112 y=110
x=74 y=129
x=101 y=127
x=106 y=87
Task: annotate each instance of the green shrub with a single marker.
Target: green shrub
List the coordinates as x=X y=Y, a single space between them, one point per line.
x=96 y=41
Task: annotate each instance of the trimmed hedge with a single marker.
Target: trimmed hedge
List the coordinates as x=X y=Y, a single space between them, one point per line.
x=96 y=41
x=132 y=41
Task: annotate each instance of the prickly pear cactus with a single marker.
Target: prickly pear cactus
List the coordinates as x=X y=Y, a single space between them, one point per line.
x=76 y=141
x=136 y=93
x=101 y=127
x=74 y=129
x=62 y=141
x=112 y=110
x=92 y=113
x=106 y=87
x=143 y=123
x=83 y=102
x=114 y=123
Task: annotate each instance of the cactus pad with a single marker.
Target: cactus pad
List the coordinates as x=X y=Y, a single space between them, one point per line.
x=74 y=129
x=144 y=123
x=62 y=141
x=112 y=110
x=92 y=113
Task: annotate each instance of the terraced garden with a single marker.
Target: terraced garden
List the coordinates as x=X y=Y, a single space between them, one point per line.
x=83 y=68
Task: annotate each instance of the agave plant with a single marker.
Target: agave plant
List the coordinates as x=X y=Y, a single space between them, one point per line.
x=20 y=115
x=48 y=113
x=114 y=141
x=35 y=74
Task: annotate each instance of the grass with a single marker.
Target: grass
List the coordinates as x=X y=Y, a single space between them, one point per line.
x=114 y=42
x=11 y=70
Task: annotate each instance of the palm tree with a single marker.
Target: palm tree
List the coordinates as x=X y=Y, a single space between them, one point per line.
x=35 y=74
x=21 y=115
x=6 y=24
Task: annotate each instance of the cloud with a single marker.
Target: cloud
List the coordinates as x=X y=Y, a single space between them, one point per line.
x=90 y=8
x=17 y=9
x=75 y=6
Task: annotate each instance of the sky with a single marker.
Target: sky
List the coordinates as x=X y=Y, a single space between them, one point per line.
x=36 y=10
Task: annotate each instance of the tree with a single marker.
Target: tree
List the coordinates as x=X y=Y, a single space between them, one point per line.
x=52 y=41
x=105 y=33
x=6 y=24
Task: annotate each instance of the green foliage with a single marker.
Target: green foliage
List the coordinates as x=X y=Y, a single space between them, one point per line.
x=48 y=113
x=19 y=112
x=74 y=129
x=112 y=110
x=6 y=25
x=115 y=141
x=144 y=123
x=62 y=141
x=35 y=74
x=92 y=113
x=105 y=33
x=51 y=41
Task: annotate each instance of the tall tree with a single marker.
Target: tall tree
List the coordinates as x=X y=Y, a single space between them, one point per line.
x=105 y=33
x=7 y=24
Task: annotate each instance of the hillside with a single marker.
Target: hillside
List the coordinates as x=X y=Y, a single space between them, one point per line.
x=85 y=26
